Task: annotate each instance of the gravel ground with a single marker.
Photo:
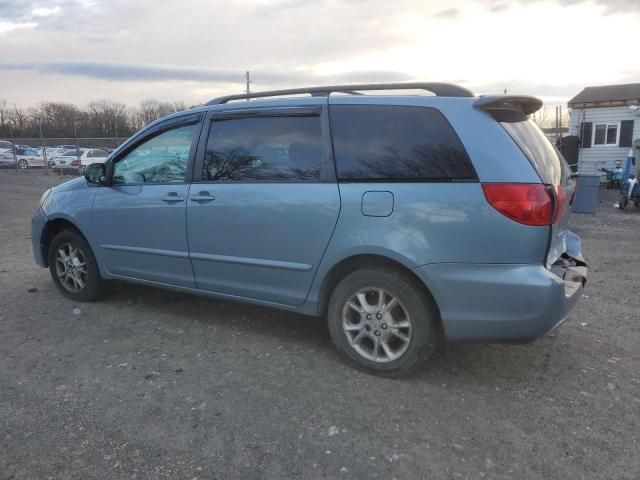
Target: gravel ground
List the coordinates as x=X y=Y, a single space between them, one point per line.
x=153 y=384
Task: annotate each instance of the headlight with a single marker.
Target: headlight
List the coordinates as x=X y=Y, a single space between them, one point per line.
x=44 y=197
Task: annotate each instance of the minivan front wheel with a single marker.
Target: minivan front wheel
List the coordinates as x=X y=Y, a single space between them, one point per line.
x=381 y=321
x=73 y=267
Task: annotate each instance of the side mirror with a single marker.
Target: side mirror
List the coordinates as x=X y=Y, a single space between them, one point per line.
x=96 y=173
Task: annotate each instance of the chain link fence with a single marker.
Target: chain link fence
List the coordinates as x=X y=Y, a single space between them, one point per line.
x=67 y=156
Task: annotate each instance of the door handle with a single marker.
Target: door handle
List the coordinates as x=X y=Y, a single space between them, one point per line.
x=172 y=197
x=202 y=197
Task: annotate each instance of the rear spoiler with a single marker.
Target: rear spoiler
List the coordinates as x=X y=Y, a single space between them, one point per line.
x=524 y=103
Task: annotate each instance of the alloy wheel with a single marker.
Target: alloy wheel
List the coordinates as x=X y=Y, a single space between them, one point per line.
x=71 y=268
x=377 y=325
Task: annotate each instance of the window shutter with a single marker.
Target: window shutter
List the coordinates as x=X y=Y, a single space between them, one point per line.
x=626 y=133
x=585 y=134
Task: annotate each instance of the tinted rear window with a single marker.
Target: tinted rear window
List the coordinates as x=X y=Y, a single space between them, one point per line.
x=395 y=143
x=543 y=155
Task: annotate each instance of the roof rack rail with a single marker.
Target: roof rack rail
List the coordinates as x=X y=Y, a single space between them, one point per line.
x=440 y=89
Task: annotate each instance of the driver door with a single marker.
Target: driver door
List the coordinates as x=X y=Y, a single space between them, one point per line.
x=140 y=218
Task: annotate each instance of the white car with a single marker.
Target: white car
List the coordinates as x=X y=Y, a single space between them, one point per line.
x=79 y=158
x=5 y=146
x=28 y=157
x=64 y=162
x=91 y=155
x=6 y=159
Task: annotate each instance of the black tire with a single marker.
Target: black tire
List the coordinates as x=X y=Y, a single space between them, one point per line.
x=94 y=286
x=420 y=308
x=23 y=164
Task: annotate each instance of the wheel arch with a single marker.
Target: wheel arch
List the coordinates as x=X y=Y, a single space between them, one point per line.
x=51 y=229
x=355 y=262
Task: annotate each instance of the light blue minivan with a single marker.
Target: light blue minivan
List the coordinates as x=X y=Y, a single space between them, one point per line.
x=397 y=217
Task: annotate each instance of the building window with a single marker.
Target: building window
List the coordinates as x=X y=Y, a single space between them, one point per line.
x=606 y=134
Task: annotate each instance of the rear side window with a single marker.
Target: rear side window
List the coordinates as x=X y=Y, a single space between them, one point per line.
x=264 y=149
x=543 y=155
x=395 y=143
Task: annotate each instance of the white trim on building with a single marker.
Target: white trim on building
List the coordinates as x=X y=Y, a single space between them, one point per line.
x=590 y=160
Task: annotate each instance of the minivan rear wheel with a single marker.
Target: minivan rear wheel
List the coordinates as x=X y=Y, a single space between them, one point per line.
x=73 y=267
x=380 y=321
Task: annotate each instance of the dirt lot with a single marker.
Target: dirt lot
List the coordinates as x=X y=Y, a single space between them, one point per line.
x=153 y=384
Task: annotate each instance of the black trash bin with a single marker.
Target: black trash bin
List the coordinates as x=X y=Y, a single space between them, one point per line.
x=586 y=199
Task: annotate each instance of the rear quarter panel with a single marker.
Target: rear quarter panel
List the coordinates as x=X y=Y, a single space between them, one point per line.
x=434 y=223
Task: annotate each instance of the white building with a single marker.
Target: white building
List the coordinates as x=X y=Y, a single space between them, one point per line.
x=607 y=121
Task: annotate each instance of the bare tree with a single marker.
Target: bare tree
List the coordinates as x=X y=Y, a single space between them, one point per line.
x=101 y=118
x=107 y=118
x=17 y=118
x=3 y=112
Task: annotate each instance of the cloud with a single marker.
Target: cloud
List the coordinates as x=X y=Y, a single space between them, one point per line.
x=8 y=27
x=500 y=7
x=150 y=72
x=186 y=49
x=27 y=10
x=610 y=6
x=448 y=13
x=45 y=12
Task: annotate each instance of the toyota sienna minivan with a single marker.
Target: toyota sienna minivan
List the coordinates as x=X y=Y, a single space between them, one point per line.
x=398 y=218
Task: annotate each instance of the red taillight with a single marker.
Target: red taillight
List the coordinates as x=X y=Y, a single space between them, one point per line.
x=75 y=163
x=526 y=203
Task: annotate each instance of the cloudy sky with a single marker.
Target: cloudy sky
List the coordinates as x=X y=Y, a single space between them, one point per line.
x=192 y=50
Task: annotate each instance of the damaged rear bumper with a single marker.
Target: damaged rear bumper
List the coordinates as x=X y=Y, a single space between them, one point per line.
x=504 y=303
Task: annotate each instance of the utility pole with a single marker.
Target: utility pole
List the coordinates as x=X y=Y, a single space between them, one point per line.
x=75 y=137
x=247 y=75
x=44 y=151
x=13 y=148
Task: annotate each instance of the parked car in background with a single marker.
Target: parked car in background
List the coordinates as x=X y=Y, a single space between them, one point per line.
x=29 y=157
x=53 y=151
x=6 y=159
x=398 y=218
x=64 y=162
x=5 y=145
x=84 y=157
x=65 y=157
x=91 y=155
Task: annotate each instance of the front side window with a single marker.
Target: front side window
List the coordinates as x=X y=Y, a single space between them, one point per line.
x=395 y=143
x=162 y=159
x=264 y=149
x=606 y=134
